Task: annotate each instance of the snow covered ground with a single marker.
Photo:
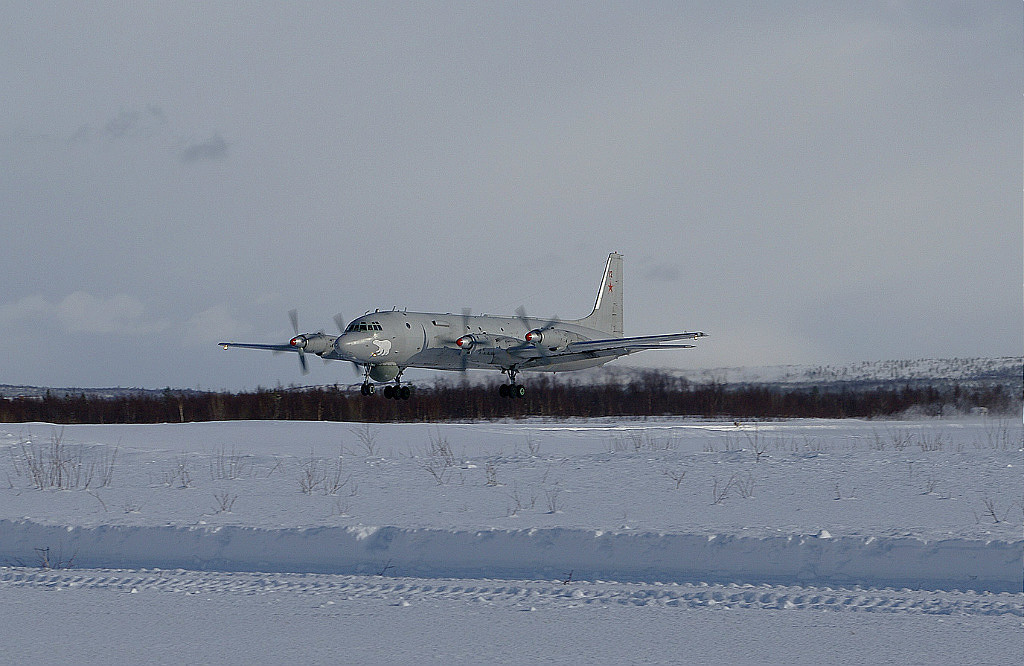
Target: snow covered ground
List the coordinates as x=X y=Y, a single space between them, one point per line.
x=599 y=540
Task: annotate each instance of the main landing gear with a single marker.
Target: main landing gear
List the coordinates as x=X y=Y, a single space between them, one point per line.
x=511 y=390
x=396 y=392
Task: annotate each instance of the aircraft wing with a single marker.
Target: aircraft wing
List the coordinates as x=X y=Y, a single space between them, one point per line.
x=637 y=343
x=247 y=345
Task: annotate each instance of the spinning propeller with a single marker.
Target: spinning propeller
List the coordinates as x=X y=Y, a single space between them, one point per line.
x=299 y=341
x=535 y=336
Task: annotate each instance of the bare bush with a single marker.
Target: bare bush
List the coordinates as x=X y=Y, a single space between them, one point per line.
x=1000 y=436
x=335 y=479
x=341 y=508
x=676 y=475
x=63 y=467
x=519 y=502
x=745 y=485
x=814 y=445
x=180 y=474
x=315 y=473
x=230 y=465
x=900 y=439
x=491 y=473
x=929 y=443
x=311 y=473
x=642 y=440
x=553 y=497
x=106 y=467
x=278 y=466
x=98 y=499
x=758 y=443
x=990 y=509
x=225 y=501
x=440 y=468
x=439 y=460
x=367 y=437
x=48 y=560
x=720 y=490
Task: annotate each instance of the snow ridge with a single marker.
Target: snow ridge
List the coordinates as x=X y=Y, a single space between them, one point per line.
x=530 y=554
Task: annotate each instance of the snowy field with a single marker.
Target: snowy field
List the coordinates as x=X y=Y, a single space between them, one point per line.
x=666 y=540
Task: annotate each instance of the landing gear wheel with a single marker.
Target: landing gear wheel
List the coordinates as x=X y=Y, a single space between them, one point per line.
x=404 y=393
x=511 y=390
x=367 y=389
x=389 y=392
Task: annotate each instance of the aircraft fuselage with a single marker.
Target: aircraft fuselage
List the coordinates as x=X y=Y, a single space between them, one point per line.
x=432 y=340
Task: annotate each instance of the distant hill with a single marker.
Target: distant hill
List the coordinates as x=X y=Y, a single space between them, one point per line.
x=15 y=391
x=1007 y=371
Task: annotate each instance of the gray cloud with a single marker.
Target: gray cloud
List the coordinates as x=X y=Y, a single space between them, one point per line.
x=214 y=148
x=82 y=312
x=136 y=124
x=662 y=273
x=807 y=182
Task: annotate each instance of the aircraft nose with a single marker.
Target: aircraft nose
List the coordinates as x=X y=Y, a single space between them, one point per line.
x=353 y=347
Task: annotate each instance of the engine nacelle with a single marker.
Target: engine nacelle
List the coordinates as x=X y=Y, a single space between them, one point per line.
x=550 y=337
x=313 y=343
x=475 y=340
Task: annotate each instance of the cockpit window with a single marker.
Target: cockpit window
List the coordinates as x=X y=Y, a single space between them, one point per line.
x=364 y=326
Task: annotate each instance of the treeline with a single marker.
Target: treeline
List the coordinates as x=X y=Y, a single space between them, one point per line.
x=651 y=394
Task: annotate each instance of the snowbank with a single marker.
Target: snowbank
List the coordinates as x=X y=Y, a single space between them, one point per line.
x=553 y=553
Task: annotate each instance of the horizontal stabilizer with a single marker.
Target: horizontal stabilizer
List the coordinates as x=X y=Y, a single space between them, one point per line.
x=635 y=343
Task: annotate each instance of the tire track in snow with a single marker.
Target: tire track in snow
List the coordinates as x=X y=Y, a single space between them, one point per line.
x=330 y=589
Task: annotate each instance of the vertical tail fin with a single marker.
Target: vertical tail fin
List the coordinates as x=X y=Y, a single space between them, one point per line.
x=607 y=314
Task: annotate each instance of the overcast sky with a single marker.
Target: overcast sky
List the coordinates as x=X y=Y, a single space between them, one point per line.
x=807 y=182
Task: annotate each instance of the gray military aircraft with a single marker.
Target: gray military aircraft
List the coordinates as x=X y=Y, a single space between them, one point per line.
x=383 y=344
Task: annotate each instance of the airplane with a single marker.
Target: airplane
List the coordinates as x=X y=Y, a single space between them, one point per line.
x=383 y=344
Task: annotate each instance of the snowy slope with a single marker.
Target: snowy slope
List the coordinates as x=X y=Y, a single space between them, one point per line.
x=899 y=517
